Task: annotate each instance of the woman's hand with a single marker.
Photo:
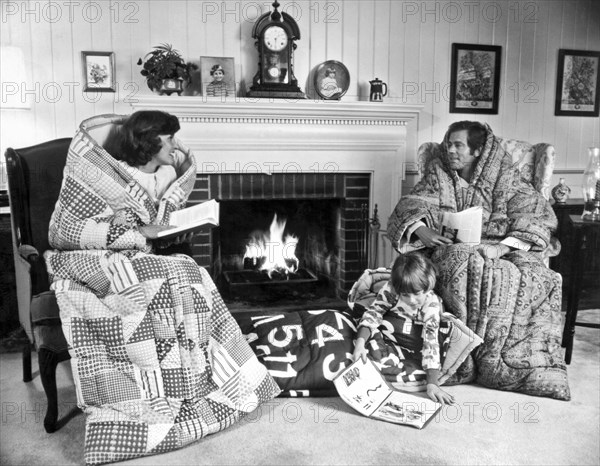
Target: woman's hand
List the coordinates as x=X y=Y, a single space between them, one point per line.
x=359 y=350
x=493 y=251
x=151 y=231
x=186 y=238
x=181 y=147
x=437 y=394
x=431 y=238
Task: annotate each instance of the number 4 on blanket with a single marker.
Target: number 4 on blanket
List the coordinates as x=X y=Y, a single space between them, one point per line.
x=192 y=218
x=362 y=387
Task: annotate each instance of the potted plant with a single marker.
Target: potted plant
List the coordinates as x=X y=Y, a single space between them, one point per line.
x=165 y=69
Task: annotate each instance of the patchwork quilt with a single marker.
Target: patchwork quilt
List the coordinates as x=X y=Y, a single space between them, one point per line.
x=157 y=358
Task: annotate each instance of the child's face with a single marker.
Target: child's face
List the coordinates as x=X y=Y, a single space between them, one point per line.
x=414 y=300
x=218 y=75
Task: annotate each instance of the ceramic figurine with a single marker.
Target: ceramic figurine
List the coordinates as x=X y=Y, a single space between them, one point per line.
x=561 y=192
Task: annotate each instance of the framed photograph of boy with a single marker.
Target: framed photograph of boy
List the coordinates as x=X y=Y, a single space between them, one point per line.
x=217 y=75
x=577 y=83
x=98 y=71
x=475 y=78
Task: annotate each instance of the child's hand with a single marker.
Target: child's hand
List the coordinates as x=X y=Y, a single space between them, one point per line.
x=359 y=350
x=437 y=394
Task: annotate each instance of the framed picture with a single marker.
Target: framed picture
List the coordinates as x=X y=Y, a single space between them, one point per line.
x=331 y=80
x=217 y=75
x=98 y=71
x=577 y=83
x=475 y=78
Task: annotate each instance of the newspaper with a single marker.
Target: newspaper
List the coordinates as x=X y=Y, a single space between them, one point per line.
x=363 y=388
x=464 y=226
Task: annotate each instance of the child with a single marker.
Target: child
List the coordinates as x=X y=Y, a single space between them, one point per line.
x=409 y=294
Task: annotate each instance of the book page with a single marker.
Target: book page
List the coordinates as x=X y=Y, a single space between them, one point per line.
x=404 y=408
x=206 y=211
x=192 y=218
x=362 y=387
x=463 y=227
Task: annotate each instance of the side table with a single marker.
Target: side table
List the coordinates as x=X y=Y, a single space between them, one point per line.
x=582 y=231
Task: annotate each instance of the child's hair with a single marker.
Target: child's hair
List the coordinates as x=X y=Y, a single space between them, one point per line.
x=412 y=273
x=216 y=68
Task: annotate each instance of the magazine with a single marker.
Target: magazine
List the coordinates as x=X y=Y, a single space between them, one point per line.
x=363 y=388
x=192 y=218
x=464 y=226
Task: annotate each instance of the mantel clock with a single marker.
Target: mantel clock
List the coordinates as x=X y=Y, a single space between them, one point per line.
x=275 y=35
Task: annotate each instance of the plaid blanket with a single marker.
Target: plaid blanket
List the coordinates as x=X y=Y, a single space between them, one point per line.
x=157 y=358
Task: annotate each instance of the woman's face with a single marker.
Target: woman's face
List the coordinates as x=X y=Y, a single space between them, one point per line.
x=218 y=75
x=166 y=154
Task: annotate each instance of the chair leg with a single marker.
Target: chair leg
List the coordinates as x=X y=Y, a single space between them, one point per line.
x=48 y=361
x=27 y=362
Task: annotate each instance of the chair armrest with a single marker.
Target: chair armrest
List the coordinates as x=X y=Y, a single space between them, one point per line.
x=29 y=253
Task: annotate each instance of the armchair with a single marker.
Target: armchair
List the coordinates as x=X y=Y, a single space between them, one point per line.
x=533 y=163
x=34 y=179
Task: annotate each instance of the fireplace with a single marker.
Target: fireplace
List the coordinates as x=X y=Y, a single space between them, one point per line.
x=337 y=160
x=328 y=214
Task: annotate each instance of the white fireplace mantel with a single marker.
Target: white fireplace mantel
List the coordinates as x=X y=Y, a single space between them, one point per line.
x=274 y=135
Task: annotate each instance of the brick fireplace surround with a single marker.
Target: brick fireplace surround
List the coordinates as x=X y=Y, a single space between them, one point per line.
x=278 y=149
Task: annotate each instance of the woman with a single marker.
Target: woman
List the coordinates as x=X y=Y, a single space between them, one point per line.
x=157 y=358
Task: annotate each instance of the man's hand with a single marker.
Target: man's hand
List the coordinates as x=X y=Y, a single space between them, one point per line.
x=431 y=238
x=493 y=251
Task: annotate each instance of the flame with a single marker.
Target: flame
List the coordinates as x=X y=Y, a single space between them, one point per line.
x=276 y=252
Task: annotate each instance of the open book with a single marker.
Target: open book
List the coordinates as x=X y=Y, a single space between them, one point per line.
x=464 y=226
x=192 y=218
x=362 y=387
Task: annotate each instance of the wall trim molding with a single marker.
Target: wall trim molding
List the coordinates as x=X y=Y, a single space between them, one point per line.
x=280 y=111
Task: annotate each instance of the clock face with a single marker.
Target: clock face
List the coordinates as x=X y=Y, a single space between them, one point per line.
x=275 y=38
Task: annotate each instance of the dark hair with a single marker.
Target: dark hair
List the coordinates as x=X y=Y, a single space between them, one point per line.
x=412 y=273
x=476 y=133
x=215 y=68
x=139 y=135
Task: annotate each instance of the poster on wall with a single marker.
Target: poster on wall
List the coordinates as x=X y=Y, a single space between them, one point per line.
x=475 y=78
x=577 y=83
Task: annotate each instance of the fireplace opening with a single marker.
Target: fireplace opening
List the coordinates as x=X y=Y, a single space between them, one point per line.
x=278 y=253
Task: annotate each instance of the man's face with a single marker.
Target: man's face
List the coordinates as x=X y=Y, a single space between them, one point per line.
x=459 y=152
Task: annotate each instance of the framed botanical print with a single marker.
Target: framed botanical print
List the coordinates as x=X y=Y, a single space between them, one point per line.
x=98 y=71
x=475 y=78
x=577 y=83
x=217 y=76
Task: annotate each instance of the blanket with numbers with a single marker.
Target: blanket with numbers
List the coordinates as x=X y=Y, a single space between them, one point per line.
x=158 y=361
x=303 y=350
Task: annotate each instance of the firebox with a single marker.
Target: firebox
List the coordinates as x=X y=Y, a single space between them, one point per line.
x=285 y=240
x=278 y=251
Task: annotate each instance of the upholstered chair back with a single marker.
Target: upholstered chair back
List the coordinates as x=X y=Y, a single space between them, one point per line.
x=532 y=163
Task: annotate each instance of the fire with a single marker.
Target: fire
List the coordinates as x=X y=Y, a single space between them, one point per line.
x=276 y=253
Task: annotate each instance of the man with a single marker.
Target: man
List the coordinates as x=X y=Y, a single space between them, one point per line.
x=501 y=287
x=473 y=170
